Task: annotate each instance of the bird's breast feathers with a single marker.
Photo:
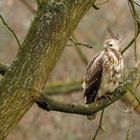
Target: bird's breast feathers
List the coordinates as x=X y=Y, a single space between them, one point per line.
x=112 y=75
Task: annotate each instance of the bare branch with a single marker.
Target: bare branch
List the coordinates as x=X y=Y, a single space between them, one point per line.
x=11 y=30
x=130 y=43
x=80 y=44
x=135 y=3
x=130 y=126
x=138 y=100
x=100 y=125
x=137 y=27
x=79 y=52
x=48 y=103
x=135 y=17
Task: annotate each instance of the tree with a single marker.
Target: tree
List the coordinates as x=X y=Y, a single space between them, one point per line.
x=25 y=79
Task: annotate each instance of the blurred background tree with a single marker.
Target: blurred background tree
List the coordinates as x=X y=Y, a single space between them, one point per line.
x=68 y=73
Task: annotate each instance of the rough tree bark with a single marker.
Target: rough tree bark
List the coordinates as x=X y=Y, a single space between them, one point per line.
x=21 y=86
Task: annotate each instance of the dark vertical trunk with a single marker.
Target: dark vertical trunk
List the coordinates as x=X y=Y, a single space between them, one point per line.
x=44 y=43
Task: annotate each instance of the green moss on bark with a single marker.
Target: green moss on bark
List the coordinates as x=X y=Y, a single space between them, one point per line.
x=44 y=43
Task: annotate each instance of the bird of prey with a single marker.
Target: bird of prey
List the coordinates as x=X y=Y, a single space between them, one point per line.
x=104 y=73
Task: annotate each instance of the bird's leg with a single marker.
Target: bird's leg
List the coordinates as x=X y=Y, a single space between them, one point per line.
x=106 y=95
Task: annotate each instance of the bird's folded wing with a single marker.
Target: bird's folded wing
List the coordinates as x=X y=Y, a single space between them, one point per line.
x=93 y=78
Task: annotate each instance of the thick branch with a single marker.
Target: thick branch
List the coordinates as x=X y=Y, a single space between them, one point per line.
x=48 y=103
x=41 y=49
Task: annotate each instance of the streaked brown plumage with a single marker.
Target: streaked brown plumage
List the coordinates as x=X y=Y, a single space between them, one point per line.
x=104 y=72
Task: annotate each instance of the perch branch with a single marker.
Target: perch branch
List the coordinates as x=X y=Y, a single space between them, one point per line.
x=58 y=88
x=71 y=86
x=48 y=103
x=61 y=88
x=11 y=30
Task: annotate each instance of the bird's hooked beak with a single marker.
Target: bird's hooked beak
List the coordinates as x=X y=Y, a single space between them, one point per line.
x=105 y=47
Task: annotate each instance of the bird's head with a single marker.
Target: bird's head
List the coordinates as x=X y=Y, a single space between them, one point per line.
x=112 y=44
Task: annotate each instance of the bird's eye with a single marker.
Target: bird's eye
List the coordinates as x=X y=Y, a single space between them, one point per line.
x=110 y=45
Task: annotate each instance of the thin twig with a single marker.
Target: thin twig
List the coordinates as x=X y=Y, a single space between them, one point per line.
x=135 y=3
x=79 y=52
x=79 y=44
x=135 y=17
x=11 y=30
x=135 y=43
x=130 y=43
x=100 y=125
x=137 y=24
x=130 y=126
x=138 y=100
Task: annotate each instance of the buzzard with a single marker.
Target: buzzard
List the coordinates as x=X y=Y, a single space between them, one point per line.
x=104 y=73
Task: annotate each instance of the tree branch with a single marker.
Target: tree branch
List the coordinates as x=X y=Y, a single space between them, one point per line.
x=79 y=51
x=48 y=103
x=100 y=125
x=11 y=30
x=72 y=39
x=45 y=41
x=137 y=26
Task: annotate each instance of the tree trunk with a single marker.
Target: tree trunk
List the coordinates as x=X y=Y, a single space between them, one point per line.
x=43 y=45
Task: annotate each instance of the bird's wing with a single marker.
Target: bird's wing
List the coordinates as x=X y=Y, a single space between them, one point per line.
x=93 y=78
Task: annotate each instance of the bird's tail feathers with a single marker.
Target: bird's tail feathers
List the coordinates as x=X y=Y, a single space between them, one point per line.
x=92 y=116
